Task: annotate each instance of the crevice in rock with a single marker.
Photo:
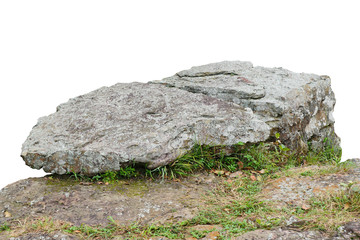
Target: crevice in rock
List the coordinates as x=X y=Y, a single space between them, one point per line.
x=208 y=74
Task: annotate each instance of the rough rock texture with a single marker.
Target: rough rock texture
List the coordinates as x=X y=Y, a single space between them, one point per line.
x=136 y=122
x=349 y=231
x=45 y=236
x=297 y=105
x=126 y=202
x=295 y=190
x=281 y=234
x=152 y=124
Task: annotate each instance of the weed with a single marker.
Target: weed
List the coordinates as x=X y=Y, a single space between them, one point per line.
x=169 y=231
x=4 y=227
x=307 y=173
x=198 y=234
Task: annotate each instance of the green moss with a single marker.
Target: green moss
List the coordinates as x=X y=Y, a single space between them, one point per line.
x=59 y=182
x=135 y=187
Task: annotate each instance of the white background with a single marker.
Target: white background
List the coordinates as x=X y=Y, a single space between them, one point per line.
x=51 y=51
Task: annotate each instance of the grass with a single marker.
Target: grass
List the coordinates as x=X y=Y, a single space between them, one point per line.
x=4 y=227
x=271 y=157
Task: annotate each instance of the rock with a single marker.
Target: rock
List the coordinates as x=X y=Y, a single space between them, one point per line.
x=295 y=222
x=281 y=233
x=350 y=230
x=138 y=200
x=154 y=123
x=134 y=123
x=297 y=105
x=45 y=236
x=297 y=189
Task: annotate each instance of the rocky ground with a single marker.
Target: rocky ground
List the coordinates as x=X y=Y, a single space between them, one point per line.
x=311 y=202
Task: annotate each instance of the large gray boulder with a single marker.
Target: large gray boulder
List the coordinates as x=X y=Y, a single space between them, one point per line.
x=153 y=123
x=299 y=106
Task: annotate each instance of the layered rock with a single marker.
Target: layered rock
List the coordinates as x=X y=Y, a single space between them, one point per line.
x=153 y=123
x=297 y=105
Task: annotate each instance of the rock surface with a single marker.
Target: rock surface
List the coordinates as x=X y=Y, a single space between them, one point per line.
x=295 y=190
x=152 y=124
x=134 y=123
x=126 y=202
x=297 y=105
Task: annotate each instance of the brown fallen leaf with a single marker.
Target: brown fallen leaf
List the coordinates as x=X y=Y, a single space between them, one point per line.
x=262 y=171
x=253 y=178
x=259 y=178
x=346 y=206
x=240 y=164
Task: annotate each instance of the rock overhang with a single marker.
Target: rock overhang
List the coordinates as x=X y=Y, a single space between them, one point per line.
x=137 y=122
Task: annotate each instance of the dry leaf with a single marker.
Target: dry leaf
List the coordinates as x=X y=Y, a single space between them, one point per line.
x=259 y=178
x=346 y=206
x=106 y=183
x=7 y=214
x=240 y=164
x=253 y=178
x=262 y=171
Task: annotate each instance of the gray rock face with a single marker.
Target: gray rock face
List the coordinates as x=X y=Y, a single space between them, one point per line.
x=136 y=122
x=152 y=124
x=297 y=105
